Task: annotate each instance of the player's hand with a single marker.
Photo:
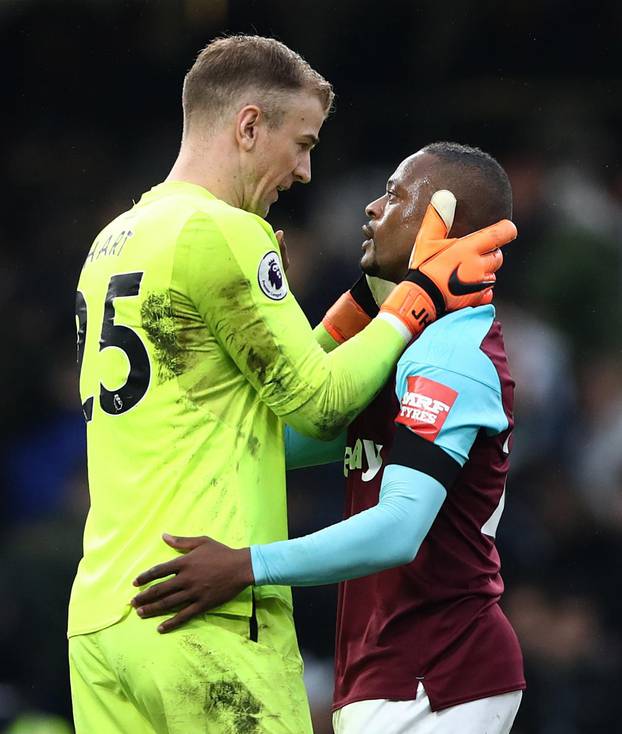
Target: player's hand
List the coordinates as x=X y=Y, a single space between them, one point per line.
x=446 y=274
x=280 y=238
x=351 y=312
x=207 y=575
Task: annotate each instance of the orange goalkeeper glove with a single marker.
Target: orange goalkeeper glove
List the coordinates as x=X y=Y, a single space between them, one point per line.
x=447 y=274
x=443 y=275
x=351 y=312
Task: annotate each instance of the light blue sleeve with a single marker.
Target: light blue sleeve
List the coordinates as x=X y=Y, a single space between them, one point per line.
x=384 y=536
x=448 y=353
x=302 y=451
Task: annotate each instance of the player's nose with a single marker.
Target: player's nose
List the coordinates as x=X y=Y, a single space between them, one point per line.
x=374 y=208
x=302 y=172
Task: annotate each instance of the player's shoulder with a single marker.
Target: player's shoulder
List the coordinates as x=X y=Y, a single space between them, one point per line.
x=233 y=222
x=196 y=209
x=454 y=343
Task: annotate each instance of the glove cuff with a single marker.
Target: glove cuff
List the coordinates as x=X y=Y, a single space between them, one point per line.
x=361 y=293
x=412 y=305
x=345 y=318
x=429 y=286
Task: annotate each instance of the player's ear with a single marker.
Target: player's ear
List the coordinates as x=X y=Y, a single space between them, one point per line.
x=246 y=122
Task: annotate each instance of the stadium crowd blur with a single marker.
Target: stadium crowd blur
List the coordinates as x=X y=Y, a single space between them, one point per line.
x=92 y=119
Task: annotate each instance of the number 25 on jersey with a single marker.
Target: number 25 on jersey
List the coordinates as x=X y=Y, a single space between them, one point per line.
x=125 y=397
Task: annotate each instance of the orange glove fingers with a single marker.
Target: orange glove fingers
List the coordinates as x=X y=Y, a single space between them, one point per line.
x=480 y=268
x=492 y=261
x=474 y=299
x=496 y=235
x=486 y=297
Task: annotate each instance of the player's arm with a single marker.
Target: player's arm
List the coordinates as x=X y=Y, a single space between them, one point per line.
x=387 y=535
x=324 y=339
x=271 y=341
x=302 y=451
x=352 y=312
x=384 y=536
x=426 y=457
x=441 y=413
x=210 y=573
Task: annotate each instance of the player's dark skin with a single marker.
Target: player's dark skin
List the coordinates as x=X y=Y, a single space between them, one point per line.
x=207 y=573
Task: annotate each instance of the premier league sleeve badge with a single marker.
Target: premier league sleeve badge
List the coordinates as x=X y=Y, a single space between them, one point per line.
x=271 y=278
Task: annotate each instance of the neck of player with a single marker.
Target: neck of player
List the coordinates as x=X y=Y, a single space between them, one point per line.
x=212 y=164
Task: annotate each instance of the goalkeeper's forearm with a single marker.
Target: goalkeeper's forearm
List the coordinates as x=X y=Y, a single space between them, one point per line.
x=350 y=377
x=365 y=309
x=303 y=451
x=324 y=339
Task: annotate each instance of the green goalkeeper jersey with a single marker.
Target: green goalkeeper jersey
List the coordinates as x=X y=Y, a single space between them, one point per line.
x=192 y=352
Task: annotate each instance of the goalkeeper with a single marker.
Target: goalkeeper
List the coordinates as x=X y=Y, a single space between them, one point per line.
x=192 y=352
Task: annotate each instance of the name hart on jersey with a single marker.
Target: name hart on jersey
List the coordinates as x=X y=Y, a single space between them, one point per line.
x=112 y=245
x=353 y=458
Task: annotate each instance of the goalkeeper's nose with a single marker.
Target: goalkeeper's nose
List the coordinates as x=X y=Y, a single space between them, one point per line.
x=302 y=172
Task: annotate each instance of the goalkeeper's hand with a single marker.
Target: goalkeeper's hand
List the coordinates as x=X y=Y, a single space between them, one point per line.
x=447 y=274
x=443 y=275
x=355 y=308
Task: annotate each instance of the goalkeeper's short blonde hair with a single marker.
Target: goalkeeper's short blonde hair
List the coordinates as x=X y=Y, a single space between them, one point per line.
x=248 y=69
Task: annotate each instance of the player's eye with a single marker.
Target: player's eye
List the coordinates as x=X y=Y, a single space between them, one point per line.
x=391 y=194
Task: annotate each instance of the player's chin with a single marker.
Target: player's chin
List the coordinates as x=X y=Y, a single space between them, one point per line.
x=261 y=208
x=269 y=200
x=368 y=263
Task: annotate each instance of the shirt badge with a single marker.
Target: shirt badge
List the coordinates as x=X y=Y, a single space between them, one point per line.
x=425 y=405
x=271 y=278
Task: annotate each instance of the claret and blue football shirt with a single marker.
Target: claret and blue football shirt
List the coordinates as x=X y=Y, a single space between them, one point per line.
x=436 y=620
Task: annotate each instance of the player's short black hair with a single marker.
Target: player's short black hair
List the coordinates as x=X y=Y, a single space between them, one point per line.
x=481 y=186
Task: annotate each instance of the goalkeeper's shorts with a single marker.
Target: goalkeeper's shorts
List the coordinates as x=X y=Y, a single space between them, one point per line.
x=217 y=674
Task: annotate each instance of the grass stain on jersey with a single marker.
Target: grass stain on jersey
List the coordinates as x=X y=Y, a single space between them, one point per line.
x=158 y=321
x=332 y=422
x=258 y=363
x=254 y=344
x=253 y=445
